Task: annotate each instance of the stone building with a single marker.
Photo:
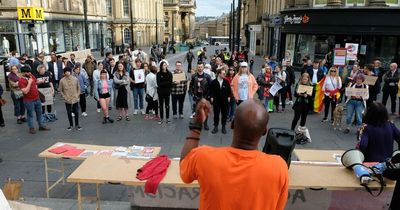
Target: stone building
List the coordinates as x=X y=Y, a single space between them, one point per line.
x=63 y=27
x=215 y=27
x=179 y=17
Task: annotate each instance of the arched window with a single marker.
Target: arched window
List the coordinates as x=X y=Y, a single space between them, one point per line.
x=127 y=36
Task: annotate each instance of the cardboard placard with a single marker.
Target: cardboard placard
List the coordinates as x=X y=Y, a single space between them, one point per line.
x=356 y=92
x=370 y=80
x=139 y=76
x=179 y=77
x=48 y=95
x=305 y=89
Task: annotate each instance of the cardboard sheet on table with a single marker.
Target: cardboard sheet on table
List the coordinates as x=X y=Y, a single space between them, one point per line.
x=73 y=152
x=61 y=149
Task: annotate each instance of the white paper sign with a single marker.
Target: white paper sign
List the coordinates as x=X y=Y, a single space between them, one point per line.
x=48 y=95
x=139 y=76
x=356 y=92
x=275 y=88
x=3 y=202
x=352 y=51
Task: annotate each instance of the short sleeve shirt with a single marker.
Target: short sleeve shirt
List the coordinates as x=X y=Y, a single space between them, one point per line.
x=232 y=178
x=243 y=87
x=33 y=93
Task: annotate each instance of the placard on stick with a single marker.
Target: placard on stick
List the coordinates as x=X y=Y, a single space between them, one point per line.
x=305 y=89
x=370 y=80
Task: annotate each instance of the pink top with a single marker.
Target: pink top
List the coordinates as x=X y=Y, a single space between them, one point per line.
x=105 y=87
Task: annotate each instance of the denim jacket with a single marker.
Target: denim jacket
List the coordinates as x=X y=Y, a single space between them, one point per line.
x=99 y=90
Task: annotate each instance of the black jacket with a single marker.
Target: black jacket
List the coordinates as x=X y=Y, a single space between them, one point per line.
x=390 y=80
x=59 y=67
x=320 y=74
x=220 y=94
x=164 y=83
x=200 y=85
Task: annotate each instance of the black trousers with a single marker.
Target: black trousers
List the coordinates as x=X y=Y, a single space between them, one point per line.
x=189 y=67
x=82 y=102
x=48 y=109
x=300 y=112
x=1 y=115
x=152 y=105
x=282 y=96
x=177 y=100
x=164 y=101
x=392 y=92
x=220 y=108
x=328 y=101
x=72 y=108
x=289 y=92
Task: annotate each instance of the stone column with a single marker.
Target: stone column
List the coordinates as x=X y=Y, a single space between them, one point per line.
x=334 y=3
x=377 y=3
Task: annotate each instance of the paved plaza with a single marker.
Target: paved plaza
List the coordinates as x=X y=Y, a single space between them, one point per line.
x=19 y=149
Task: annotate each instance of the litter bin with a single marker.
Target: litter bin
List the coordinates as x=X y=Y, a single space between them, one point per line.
x=281 y=142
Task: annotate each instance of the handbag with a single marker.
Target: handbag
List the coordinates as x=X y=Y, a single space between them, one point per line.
x=18 y=94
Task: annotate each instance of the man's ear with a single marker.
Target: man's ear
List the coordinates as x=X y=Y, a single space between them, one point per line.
x=233 y=124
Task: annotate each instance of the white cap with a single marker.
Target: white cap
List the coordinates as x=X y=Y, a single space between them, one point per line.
x=207 y=66
x=244 y=64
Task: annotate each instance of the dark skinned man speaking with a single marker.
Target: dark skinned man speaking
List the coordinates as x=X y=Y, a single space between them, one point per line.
x=239 y=176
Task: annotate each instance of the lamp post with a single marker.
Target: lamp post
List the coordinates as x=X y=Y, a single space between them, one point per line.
x=156 y=22
x=233 y=26
x=131 y=21
x=122 y=38
x=239 y=11
x=85 y=7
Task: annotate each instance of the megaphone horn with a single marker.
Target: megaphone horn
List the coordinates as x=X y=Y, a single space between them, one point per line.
x=352 y=157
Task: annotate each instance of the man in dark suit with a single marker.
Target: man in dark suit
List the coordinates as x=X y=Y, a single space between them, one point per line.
x=316 y=74
x=390 y=86
x=56 y=68
x=220 y=91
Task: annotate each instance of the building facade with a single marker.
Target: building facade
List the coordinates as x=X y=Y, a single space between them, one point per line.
x=63 y=28
x=215 y=27
x=179 y=17
x=315 y=27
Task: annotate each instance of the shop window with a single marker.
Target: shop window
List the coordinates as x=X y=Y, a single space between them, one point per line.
x=355 y=2
x=127 y=36
x=392 y=2
x=126 y=7
x=55 y=36
x=109 y=7
x=320 y=3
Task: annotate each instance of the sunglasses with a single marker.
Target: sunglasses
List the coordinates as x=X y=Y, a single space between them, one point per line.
x=333 y=71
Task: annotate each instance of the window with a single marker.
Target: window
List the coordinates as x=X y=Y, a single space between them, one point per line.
x=109 y=37
x=126 y=7
x=109 y=7
x=127 y=36
x=355 y=2
x=320 y=3
x=392 y=2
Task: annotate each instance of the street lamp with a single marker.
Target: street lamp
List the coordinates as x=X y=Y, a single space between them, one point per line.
x=156 y=22
x=122 y=38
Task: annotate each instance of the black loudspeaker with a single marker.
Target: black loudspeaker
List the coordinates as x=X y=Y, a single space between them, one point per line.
x=280 y=142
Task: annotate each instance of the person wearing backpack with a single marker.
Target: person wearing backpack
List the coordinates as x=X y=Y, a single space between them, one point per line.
x=281 y=78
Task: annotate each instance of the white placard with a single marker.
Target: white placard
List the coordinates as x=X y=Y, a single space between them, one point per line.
x=3 y=202
x=356 y=92
x=275 y=88
x=339 y=58
x=48 y=95
x=139 y=76
x=352 y=51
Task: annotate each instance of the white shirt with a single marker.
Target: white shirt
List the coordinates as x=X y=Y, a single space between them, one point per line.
x=331 y=83
x=220 y=80
x=151 y=85
x=55 y=71
x=315 y=78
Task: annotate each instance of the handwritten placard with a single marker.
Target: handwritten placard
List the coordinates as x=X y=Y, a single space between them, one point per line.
x=356 y=92
x=48 y=95
x=179 y=77
x=370 y=80
x=305 y=89
x=139 y=76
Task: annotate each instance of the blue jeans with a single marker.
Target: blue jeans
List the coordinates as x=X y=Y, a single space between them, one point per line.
x=138 y=96
x=34 y=106
x=357 y=107
x=19 y=107
x=266 y=103
x=231 y=108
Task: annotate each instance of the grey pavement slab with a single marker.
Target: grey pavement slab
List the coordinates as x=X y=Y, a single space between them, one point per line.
x=20 y=150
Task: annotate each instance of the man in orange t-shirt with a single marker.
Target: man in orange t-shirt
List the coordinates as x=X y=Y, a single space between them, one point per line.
x=239 y=176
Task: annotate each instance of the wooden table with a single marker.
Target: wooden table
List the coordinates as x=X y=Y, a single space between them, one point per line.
x=48 y=155
x=113 y=170
x=317 y=155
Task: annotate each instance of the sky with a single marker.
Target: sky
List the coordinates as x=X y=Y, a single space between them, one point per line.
x=212 y=7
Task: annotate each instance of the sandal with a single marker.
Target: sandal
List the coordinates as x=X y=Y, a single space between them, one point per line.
x=127 y=118
x=119 y=118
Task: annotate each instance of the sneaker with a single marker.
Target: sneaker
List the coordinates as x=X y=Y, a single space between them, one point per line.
x=160 y=122
x=168 y=121
x=84 y=114
x=73 y=114
x=98 y=110
x=181 y=116
x=206 y=127
x=110 y=120
x=192 y=116
x=142 y=112
x=223 y=129
x=324 y=120
x=69 y=128
x=289 y=103
x=19 y=121
x=44 y=128
x=346 y=131
x=32 y=131
x=2 y=125
x=215 y=130
x=135 y=112
x=79 y=128
x=152 y=112
x=175 y=116
x=146 y=117
x=23 y=119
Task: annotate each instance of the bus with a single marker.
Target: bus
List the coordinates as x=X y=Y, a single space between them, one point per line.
x=218 y=40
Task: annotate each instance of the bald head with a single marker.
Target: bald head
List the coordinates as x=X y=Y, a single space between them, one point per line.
x=249 y=125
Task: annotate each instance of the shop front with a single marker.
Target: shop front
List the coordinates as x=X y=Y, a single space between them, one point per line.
x=316 y=32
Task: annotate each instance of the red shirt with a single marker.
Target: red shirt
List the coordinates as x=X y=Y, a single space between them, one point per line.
x=33 y=93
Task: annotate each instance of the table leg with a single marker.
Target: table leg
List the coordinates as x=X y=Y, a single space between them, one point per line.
x=79 y=196
x=98 y=196
x=62 y=171
x=46 y=172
